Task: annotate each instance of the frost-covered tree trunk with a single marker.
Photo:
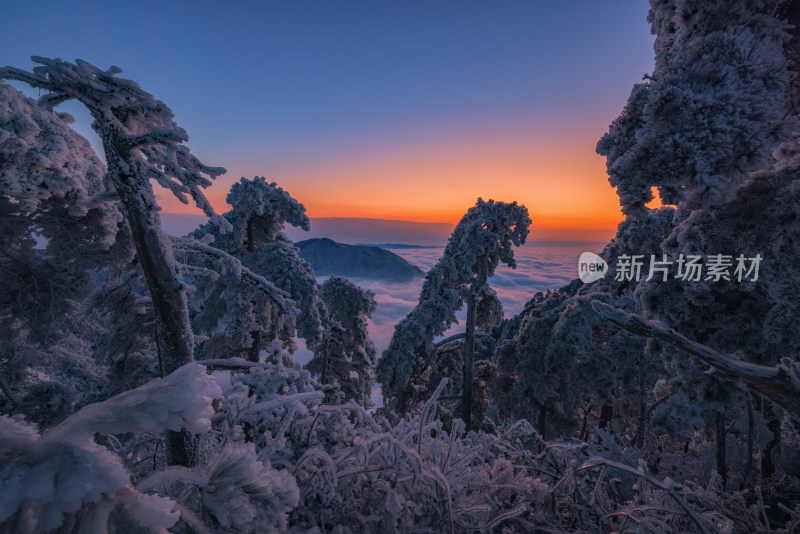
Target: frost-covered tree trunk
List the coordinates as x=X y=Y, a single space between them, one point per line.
x=768 y=467
x=750 y=442
x=606 y=414
x=469 y=355
x=173 y=332
x=174 y=337
x=641 y=428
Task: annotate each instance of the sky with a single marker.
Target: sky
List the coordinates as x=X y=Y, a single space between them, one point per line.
x=374 y=109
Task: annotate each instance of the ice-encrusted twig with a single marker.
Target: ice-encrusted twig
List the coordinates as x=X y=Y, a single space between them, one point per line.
x=670 y=489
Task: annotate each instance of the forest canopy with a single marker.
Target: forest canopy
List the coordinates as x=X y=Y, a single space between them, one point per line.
x=148 y=382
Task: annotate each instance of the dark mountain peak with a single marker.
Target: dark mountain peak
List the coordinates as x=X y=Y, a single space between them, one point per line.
x=328 y=257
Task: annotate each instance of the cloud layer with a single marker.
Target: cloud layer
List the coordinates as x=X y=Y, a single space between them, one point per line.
x=539 y=268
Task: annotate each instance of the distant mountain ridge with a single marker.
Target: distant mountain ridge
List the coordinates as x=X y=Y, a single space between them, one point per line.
x=328 y=257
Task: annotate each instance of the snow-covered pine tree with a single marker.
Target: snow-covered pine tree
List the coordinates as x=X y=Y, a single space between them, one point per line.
x=259 y=211
x=558 y=362
x=711 y=112
x=234 y=311
x=701 y=129
x=141 y=143
x=61 y=238
x=349 y=356
x=483 y=239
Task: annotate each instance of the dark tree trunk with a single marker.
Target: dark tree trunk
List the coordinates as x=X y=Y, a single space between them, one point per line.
x=750 y=441
x=181 y=448
x=638 y=441
x=774 y=426
x=469 y=355
x=543 y=420
x=469 y=343
x=606 y=414
x=722 y=464
x=323 y=379
x=254 y=351
x=587 y=410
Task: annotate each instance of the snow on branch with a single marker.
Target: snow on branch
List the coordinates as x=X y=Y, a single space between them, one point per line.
x=234 y=309
x=179 y=400
x=778 y=384
x=155 y=136
x=278 y=296
x=63 y=475
x=237 y=491
x=34 y=80
x=454 y=338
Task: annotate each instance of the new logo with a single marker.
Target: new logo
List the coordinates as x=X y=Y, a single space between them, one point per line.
x=591 y=267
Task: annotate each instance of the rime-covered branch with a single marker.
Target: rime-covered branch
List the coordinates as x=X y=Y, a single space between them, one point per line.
x=182 y=399
x=776 y=383
x=669 y=487
x=278 y=296
x=13 y=73
x=454 y=338
x=235 y=310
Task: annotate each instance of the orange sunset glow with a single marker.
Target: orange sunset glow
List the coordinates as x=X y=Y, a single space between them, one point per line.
x=558 y=177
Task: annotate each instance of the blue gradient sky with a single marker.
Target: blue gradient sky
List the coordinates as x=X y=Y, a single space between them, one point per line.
x=401 y=110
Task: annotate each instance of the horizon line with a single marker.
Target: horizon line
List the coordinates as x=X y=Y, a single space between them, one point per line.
x=345 y=218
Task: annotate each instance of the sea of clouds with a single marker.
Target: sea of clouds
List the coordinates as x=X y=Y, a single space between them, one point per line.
x=539 y=268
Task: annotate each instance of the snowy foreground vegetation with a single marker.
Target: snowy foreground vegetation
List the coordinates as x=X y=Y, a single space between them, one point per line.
x=147 y=382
